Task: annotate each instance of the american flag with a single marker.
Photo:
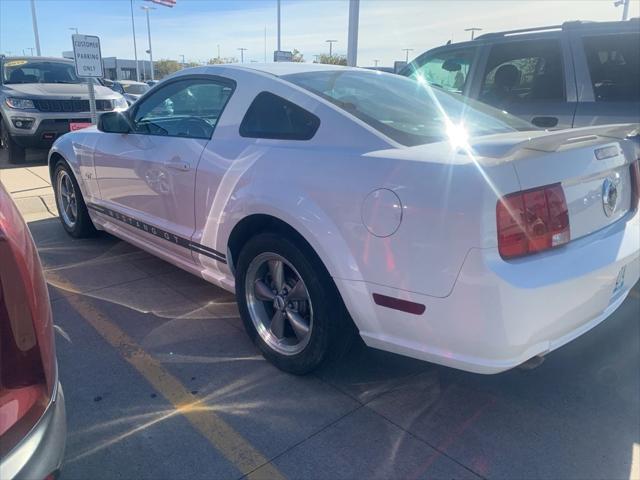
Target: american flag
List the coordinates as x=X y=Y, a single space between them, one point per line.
x=166 y=3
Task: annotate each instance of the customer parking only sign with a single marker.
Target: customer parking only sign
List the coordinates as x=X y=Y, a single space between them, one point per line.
x=86 y=53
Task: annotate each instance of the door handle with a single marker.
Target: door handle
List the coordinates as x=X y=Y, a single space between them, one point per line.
x=181 y=166
x=545 y=122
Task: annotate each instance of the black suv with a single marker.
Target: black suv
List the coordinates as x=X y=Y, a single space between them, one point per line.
x=571 y=75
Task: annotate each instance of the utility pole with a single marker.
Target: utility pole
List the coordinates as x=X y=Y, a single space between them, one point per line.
x=352 y=40
x=135 y=47
x=146 y=9
x=34 y=20
x=473 y=30
x=331 y=42
x=625 y=8
x=31 y=48
x=218 y=51
x=242 y=50
x=375 y=63
x=406 y=51
x=278 y=25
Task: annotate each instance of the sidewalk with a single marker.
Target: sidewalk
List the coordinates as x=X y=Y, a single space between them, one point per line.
x=31 y=189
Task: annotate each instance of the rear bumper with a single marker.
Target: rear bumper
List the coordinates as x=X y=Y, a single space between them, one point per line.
x=40 y=452
x=499 y=313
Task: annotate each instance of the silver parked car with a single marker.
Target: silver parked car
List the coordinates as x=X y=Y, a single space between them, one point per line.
x=572 y=75
x=41 y=98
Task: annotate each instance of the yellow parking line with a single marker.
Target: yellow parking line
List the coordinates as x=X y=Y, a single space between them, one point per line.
x=221 y=435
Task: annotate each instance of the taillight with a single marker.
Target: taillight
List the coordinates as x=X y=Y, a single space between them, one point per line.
x=27 y=352
x=532 y=221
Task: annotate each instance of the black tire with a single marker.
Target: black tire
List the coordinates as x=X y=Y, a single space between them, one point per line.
x=332 y=329
x=83 y=226
x=15 y=152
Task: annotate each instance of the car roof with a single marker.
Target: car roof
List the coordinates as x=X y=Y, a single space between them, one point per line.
x=39 y=59
x=285 y=68
x=129 y=82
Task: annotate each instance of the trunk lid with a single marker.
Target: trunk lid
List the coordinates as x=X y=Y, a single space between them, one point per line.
x=594 y=166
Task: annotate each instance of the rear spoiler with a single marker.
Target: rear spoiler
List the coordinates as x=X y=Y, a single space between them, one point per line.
x=500 y=146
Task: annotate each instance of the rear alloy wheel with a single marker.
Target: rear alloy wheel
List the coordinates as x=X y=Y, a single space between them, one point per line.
x=289 y=304
x=14 y=151
x=279 y=303
x=71 y=207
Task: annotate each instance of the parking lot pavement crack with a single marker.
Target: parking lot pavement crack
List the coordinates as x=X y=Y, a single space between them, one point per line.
x=55 y=214
x=46 y=180
x=249 y=476
x=439 y=451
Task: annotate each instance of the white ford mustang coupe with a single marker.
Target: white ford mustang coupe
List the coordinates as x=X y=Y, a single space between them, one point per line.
x=328 y=197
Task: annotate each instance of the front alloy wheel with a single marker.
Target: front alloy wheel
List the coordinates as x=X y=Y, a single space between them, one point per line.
x=67 y=199
x=71 y=207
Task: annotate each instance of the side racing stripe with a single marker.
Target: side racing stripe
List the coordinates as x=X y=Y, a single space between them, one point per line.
x=160 y=233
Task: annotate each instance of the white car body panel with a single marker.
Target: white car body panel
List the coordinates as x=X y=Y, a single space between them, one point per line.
x=436 y=246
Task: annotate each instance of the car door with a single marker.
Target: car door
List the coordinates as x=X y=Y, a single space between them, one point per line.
x=531 y=78
x=146 y=178
x=608 y=73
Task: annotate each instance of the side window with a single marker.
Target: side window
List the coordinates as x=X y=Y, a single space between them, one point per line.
x=271 y=116
x=185 y=108
x=448 y=70
x=520 y=72
x=614 y=66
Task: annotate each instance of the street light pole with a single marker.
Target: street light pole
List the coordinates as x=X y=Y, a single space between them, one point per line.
x=34 y=20
x=135 y=47
x=406 y=51
x=242 y=50
x=473 y=30
x=352 y=41
x=146 y=9
x=331 y=42
x=278 y=25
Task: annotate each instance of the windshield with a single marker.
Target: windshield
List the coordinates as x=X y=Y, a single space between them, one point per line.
x=408 y=111
x=38 y=71
x=135 y=88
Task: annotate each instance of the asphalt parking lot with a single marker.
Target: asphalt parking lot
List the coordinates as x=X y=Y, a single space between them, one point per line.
x=162 y=382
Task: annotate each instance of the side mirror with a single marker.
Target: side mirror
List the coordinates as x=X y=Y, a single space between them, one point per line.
x=114 y=122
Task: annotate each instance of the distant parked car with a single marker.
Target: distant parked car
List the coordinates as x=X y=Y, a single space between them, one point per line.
x=447 y=230
x=131 y=90
x=41 y=98
x=32 y=411
x=570 y=75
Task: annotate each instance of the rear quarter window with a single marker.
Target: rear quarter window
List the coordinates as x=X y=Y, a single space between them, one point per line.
x=614 y=66
x=273 y=117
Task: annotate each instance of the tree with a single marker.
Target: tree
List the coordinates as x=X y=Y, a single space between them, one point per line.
x=332 y=59
x=165 y=67
x=221 y=60
x=296 y=56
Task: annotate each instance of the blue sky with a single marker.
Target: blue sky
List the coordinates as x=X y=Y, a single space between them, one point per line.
x=195 y=27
